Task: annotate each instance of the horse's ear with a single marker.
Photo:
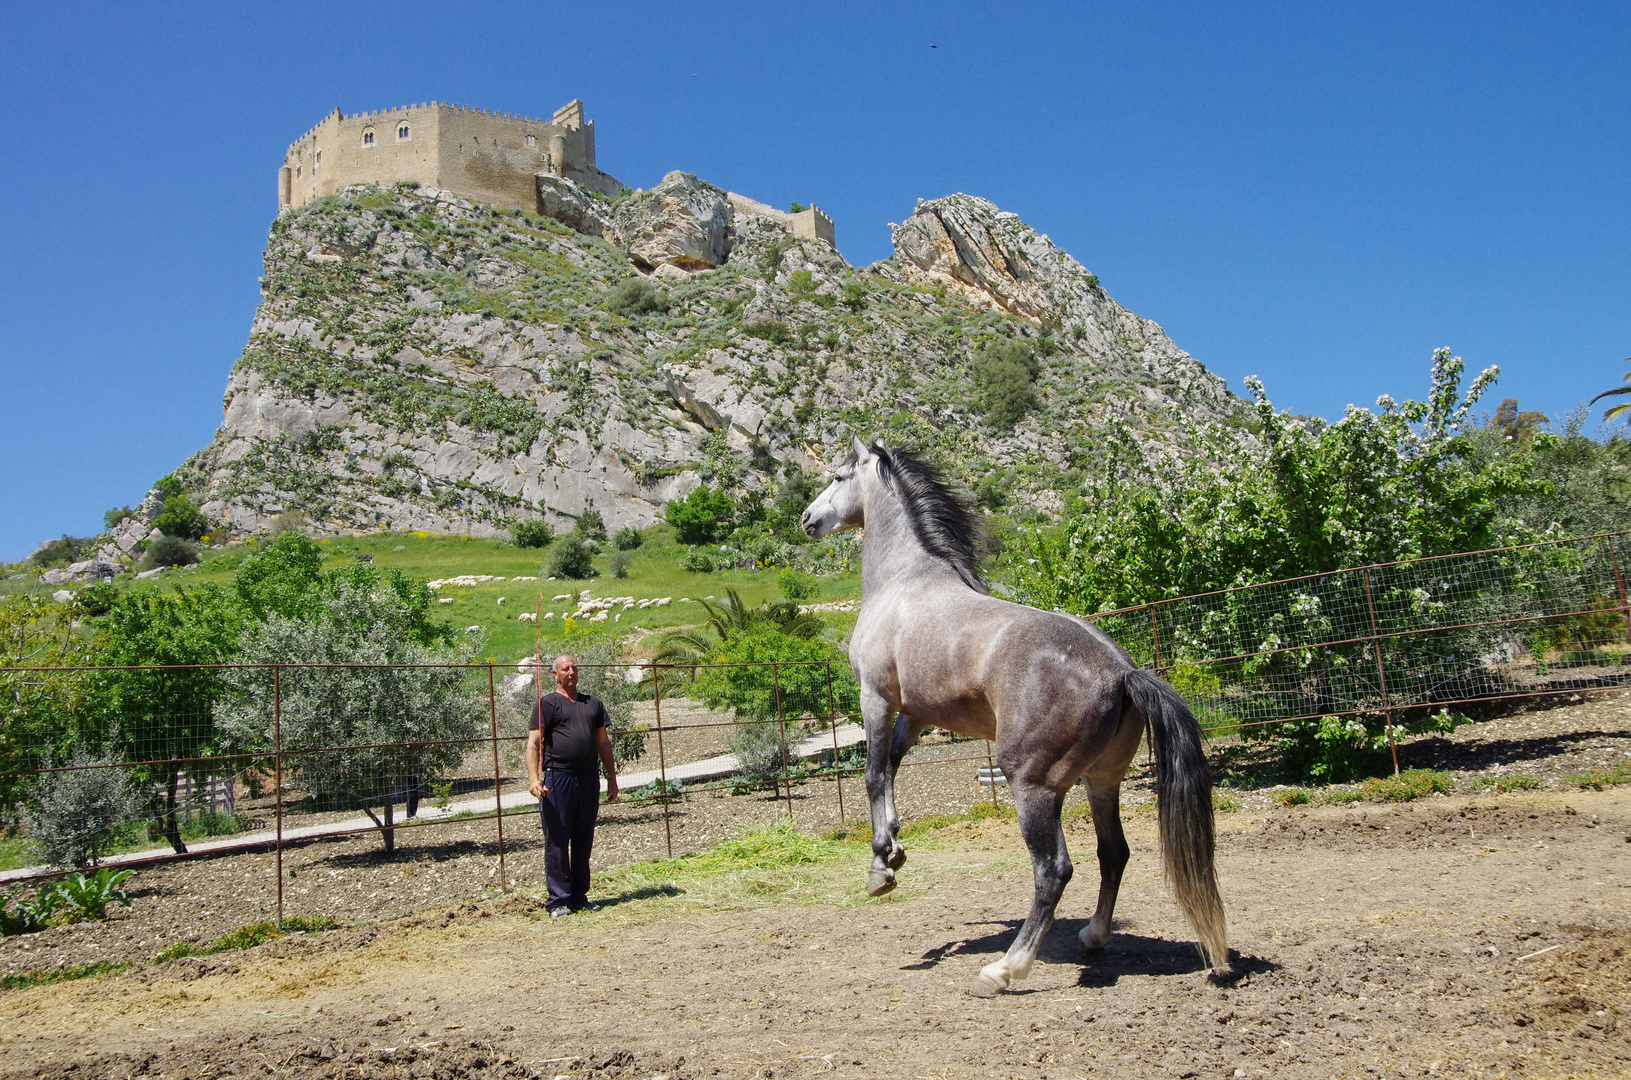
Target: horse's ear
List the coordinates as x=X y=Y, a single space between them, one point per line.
x=859 y=448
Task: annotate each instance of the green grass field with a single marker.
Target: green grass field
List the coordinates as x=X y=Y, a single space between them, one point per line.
x=655 y=572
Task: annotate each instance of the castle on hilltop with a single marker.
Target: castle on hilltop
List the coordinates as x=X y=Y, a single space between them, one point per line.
x=488 y=156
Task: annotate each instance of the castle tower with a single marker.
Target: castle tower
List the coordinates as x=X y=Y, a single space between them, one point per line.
x=483 y=155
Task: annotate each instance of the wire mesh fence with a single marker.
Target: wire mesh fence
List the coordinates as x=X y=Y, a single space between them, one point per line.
x=146 y=765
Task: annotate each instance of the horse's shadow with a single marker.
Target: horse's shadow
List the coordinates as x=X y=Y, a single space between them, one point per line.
x=1127 y=954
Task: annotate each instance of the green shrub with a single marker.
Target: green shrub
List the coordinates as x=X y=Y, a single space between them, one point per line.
x=570 y=556
x=697 y=561
x=659 y=790
x=172 y=551
x=759 y=753
x=74 y=811
x=60 y=552
x=1003 y=376
x=1347 y=795
x=617 y=564
x=635 y=296
x=628 y=538
x=854 y=295
x=1293 y=797
x=116 y=515
x=181 y=518
x=1410 y=784
x=591 y=524
x=796 y=208
x=774 y=332
x=213 y=823
x=702 y=516
x=532 y=534
x=97 y=599
x=1224 y=804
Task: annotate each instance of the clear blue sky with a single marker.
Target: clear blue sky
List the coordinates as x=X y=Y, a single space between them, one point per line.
x=1319 y=194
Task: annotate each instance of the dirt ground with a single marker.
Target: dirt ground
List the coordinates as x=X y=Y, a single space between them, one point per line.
x=1473 y=934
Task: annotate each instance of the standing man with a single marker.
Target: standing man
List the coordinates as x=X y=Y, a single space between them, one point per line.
x=568 y=732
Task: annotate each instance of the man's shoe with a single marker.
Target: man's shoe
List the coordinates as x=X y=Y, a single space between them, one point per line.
x=559 y=912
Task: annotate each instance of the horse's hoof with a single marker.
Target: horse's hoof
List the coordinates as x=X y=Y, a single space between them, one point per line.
x=1090 y=943
x=880 y=882
x=995 y=978
x=897 y=858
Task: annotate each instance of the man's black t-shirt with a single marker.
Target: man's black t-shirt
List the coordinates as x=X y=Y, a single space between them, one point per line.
x=569 y=731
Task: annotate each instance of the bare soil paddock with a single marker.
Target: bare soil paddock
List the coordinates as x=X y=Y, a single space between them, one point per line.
x=1464 y=935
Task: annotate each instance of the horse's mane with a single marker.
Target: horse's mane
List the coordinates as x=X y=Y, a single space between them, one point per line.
x=943 y=523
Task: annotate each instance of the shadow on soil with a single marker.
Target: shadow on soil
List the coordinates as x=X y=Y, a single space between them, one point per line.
x=1127 y=954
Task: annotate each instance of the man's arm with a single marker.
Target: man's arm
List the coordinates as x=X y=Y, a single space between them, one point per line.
x=603 y=742
x=535 y=754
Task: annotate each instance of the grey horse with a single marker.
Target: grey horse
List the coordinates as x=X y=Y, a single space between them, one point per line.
x=1061 y=701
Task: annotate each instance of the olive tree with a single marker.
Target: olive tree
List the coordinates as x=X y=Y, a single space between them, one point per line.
x=356 y=701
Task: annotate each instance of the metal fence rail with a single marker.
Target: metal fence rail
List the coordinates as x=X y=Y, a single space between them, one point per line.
x=263 y=757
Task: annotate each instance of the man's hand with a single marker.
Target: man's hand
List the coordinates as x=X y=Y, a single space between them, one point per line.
x=538 y=789
x=611 y=790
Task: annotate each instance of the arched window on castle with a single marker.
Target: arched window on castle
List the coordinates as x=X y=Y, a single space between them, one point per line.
x=531 y=141
x=401 y=132
x=368 y=137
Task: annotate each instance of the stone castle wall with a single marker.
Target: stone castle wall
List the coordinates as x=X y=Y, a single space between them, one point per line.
x=489 y=156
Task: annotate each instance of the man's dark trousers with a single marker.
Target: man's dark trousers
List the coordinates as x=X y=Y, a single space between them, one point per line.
x=569 y=809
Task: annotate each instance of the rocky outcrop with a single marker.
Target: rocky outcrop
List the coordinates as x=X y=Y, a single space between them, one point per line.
x=682 y=222
x=571 y=205
x=967 y=241
x=454 y=369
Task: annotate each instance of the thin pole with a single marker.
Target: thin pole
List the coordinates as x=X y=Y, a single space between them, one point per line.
x=277 y=776
x=832 y=721
x=1381 y=673
x=662 y=759
x=498 y=795
x=782 y=725
x=991 y=772
x=1619 y=583
x=1155 y=630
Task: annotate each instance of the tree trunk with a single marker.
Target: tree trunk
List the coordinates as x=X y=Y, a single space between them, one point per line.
x=172 y=828
x=388 y=832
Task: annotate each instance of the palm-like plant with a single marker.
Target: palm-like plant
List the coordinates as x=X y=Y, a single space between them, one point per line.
x=1613 y=412
x=732 y=617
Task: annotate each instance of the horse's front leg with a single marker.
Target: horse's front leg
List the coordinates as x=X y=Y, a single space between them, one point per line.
x=888 y=737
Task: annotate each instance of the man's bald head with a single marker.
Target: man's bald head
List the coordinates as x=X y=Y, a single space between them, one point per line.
x=565 y=670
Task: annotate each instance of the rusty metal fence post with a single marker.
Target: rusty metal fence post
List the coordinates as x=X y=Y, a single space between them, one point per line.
x=662 y=759
x=498 y=790
x=781 y=723
x=277 y=776
x=991 y=773
x=1381 y=672
x=1619 y=584
x=832 y=722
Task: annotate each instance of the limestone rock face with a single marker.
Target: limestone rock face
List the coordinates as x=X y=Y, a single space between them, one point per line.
x=570 y=204
x=968 y=241
x=458 y=370
x=681 y=222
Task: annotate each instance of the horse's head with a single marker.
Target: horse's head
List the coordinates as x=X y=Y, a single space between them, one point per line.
x=843 y=504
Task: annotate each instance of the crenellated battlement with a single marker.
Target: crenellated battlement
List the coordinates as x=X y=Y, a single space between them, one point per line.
x=485 y=154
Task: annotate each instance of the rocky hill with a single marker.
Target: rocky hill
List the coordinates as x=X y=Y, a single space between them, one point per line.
x=419 y=362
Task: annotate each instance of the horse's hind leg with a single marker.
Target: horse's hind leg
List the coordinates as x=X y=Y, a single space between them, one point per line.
x=1105 y=799
x=1050 y=864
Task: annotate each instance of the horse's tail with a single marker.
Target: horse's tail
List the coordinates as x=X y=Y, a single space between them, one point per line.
x=1183 y=789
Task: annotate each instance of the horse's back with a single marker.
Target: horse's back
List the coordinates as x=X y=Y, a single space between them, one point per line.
x=959 y=659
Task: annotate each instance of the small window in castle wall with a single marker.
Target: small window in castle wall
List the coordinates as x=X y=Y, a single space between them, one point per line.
x=368 y=137
x=318 y=162
x=531 y=141
x=402 y=132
